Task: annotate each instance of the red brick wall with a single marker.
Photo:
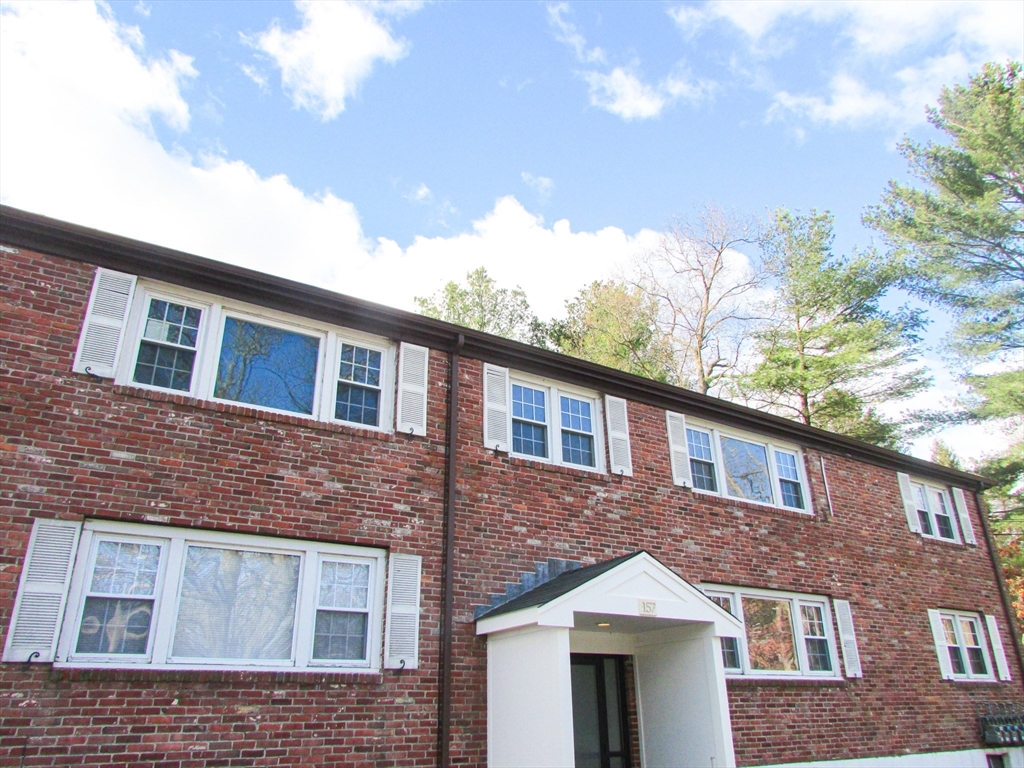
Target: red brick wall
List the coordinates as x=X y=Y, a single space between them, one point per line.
x=75 y=447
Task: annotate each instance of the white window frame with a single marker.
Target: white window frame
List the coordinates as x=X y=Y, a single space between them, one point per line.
x=979 y=623
x=174 y=542
x=717 y=433
x=210 y=337
x=795 y=600
x=554 y=391
x=951 y=512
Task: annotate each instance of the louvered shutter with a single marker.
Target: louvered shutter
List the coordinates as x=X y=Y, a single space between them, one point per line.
x=43 y=590
x=99 y=346
x=496 y=419
x=998 y=653
x=412 y=389
x=909 y=504
x=966 y=526
x=618 y=435
x=848 y=638
x=401 y=638
x=678 y=450
x=939 y=636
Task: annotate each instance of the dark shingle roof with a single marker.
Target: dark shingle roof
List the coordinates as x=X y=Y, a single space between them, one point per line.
x=558 y=586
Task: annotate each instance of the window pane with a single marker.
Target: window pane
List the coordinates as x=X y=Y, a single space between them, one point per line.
x=357 y=405
x=125 y=568
x=172 y=323
x=813 y=625
x=529 y=439
x=164 y=367
x=577 y=449
x=731 y=653
x=360 y=365
x=703 y=475
x=528 y=404
x=339 y=636
x=111 y=625
x=769 y=634
x=786 y=463
x=267 y=366
x=746 y=470
x=576 y=415
x=956 y=658
x=792 y=496
x=236 y=604
x=926 y=522
x=977 y=659
x=699 y=444
x=344 y=585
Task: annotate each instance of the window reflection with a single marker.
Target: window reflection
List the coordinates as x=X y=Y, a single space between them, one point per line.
x=769 y=634
x=267 y=366
x=746 y=470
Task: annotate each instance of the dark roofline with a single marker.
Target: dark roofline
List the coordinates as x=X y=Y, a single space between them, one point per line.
x=560 y=585
x=59 y=238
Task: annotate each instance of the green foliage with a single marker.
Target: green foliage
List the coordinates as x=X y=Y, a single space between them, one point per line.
x=829 y=353
x=615 y=324
x=963 y=235
x=946 y=456
x=481 y=305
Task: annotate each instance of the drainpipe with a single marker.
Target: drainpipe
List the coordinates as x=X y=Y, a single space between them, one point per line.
x=448 y=562
x=1011 y=618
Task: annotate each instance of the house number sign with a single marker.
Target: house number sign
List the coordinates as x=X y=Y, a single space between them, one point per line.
x=648 y=608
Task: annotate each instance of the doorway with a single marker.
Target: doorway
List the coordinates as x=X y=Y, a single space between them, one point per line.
x=599 y=717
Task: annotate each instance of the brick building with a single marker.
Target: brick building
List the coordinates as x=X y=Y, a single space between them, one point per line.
x=251 y=522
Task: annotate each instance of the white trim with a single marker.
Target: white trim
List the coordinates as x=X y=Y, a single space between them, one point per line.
x=848 y=638
x=716 y=434
x=967 y=758
x=103 y=329
x=497 y=397
x=554 y=391
x=159 y=654
x=413 y=381
x=620 y=457
x=964 y=514
x=401 y=640
x=795 y=600
x=210 y=339
x=678 y=448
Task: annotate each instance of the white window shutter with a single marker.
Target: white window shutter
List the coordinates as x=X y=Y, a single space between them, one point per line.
x=99 y=346
x=43 y=590
x=909 y=504
x=848 y=638
x=401 y=640
x=966 y=526
x=412 y=389
x=998 y=653
x=678 y=450
x=939 y=636
x=618 y=435
x=496 y=410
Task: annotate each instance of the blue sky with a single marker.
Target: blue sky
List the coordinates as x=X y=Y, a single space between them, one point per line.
x=382 y=149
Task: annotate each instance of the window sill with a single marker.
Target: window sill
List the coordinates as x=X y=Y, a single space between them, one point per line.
x=971 y=680
x=937 y=540
x=758 y=506
x=250 y=412
x=754 y=680
x=561 y=469
x=306 y=677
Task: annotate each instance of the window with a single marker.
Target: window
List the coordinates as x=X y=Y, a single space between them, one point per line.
x=199 y=346
x=733 y=465
x=172 y=598
x=566 y=436
x=960 y=643
x=785 y=634
x=934 y=512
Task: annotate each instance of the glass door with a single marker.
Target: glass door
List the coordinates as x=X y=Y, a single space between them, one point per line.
x=599 y=718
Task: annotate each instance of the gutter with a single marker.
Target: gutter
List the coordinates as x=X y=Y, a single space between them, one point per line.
x=71 y=241
x=444 y=714
x=1011 y=618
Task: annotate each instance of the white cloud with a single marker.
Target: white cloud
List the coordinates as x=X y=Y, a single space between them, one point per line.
x=256 y=76
x=420 y=194
x=894 y=57
x=542 y=185
x=323 y=63
x=77 y=151
x=620 y=90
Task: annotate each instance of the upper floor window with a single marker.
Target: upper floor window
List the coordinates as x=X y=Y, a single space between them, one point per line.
x=230 y=353
x=785 y=633
x=535 y=418
x=733 y=464
x=933 y=513
x=962 y=647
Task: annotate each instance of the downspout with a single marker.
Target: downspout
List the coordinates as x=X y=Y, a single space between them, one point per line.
x=448 y=561
x=1011 y=618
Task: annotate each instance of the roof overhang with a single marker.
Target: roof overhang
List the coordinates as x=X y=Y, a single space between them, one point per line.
x=648 y=594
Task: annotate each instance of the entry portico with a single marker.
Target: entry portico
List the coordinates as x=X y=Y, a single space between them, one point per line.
x=630 y=606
